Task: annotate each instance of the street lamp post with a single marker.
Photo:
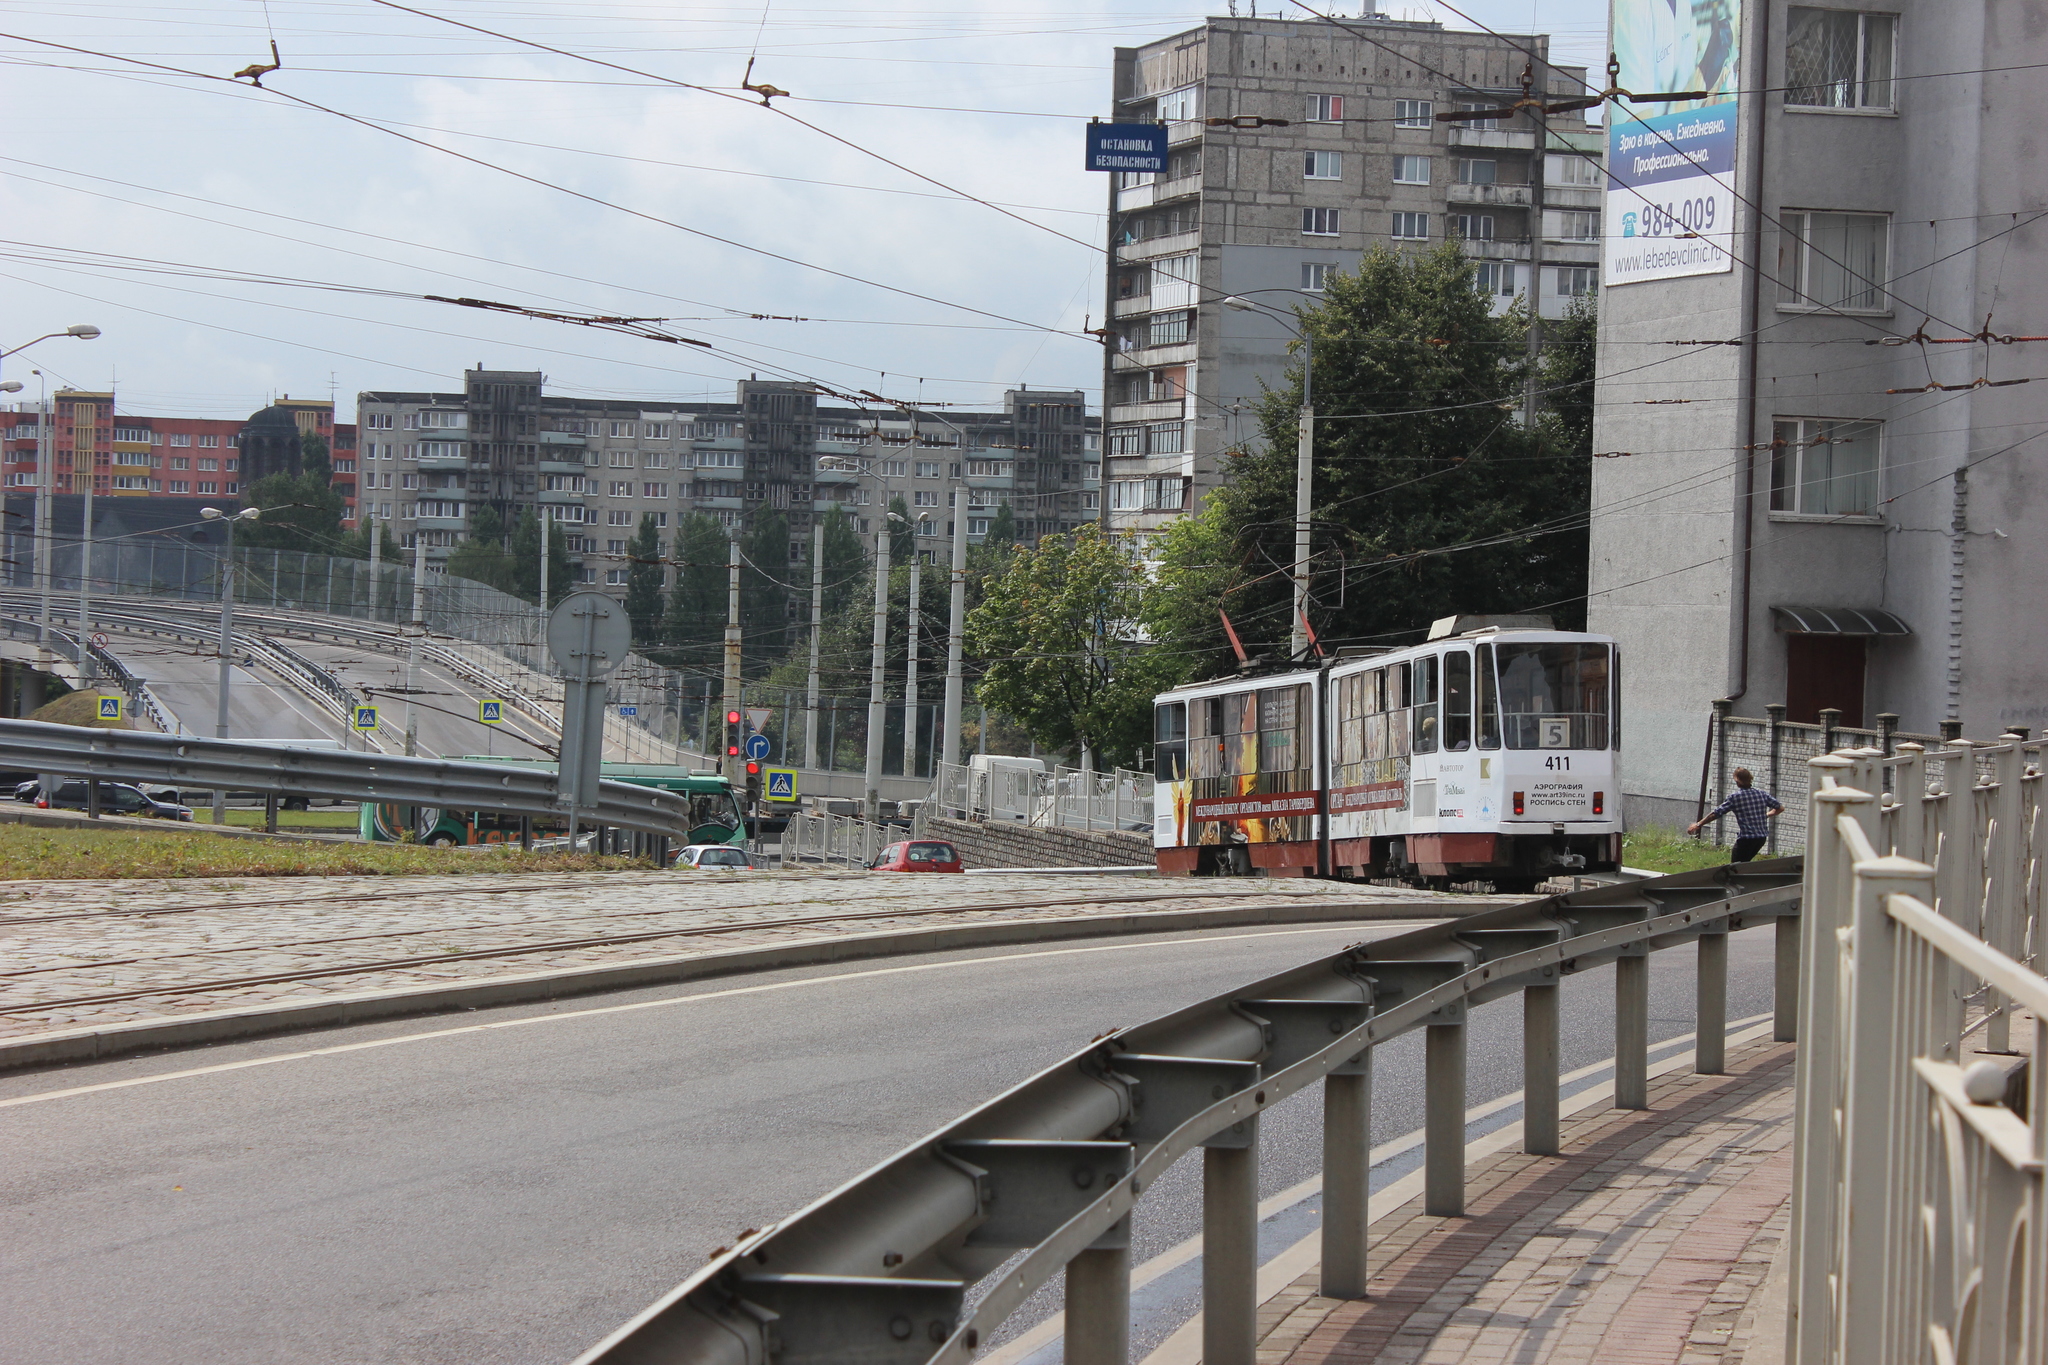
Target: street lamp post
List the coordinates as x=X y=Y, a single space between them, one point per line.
x=878 y=710
x=227 y=627
x=1304 y=470
x=84 y=331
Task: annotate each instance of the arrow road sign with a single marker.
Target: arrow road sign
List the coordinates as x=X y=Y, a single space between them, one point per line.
x=757 y=747
x=491 y=711
x=365 y=718
x=782 y=784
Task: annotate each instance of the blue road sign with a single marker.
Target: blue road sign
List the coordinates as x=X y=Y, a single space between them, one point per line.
x=366 y=718
x=110 y=708
x=1127 y=147
x=629 y=710
x=491 y=711
x=782 y=784
x=757 y=747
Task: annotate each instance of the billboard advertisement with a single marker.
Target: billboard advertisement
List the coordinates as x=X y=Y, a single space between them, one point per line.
x=1671 y=167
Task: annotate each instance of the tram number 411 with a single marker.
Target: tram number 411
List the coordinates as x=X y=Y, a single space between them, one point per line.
x=1558 y=763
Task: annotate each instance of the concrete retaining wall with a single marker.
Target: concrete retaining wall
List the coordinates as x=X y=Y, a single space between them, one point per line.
x=1009 y=844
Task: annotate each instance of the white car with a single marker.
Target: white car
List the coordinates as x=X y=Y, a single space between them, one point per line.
x=713 y=858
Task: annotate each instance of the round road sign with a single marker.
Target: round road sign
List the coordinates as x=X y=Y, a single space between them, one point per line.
x=589 y=635
x=757 y=746
x=99 y=639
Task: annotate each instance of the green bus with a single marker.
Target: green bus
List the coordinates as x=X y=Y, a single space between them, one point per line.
x=716 y=816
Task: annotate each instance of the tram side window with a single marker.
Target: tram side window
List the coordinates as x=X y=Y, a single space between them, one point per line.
x=1283 y=751
x=1422 y=700
x=1170 y=742
x=1399 y=697
x=1357 y=698
x=1457 y=703
x=1230 y=735
x=1555 y=696
x=1489 y=699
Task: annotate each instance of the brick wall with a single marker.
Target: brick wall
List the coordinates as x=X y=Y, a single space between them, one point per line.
x=1008 y=844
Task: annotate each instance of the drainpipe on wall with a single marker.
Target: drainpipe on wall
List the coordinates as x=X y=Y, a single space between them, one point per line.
x=1745 y=490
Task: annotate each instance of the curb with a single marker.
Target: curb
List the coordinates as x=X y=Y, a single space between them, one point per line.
x=66 y=819
x=193 y=1030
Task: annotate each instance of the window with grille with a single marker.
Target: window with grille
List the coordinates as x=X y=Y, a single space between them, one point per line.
x=1473 y=227
x=1822 y=467
x=1411 y=226
x=1411 y=170
x=1319 y=222
x=1325 y=108
x=1472 y=172
x=1322 y=166
x=1314 y=273
x=1839 y=59
x=1834 y=260
x=1414 y=113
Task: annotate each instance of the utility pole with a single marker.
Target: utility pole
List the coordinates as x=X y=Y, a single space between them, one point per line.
x=817 y=632
x=540 y=513
x=956 y=621
x=910 y=672
x=731 y=763
x=45 y=454
x=376 y=568
x=419 y=623
x=86 y=671
x=1304 y=488
x=227 y=635
x=877 y=710
x=1532 y=383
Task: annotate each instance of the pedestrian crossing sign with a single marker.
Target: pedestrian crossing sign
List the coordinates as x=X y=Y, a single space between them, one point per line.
x=110 y=708
x=366 y=718
x=782 y=784
x=491 y=711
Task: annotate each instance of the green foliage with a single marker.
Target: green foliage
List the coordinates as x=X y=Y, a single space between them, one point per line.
x=299 y=512
x=526 y=561
x=314 y=457
x=765 y=590
x=643 y=580
x=1566 y=374
x=1057 y=630
x=902 y=532
x=483 y=558
x=1002 y=528
x=846 y=563
x=693 y=627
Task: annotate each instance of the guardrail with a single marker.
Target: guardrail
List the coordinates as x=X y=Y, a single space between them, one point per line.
x=223 y=764
x=1065 y=798
x=834 y=839
x=1919 y=1225
x=879 y=1270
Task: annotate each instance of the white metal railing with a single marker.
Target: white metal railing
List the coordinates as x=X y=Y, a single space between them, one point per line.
x=820 y=840
x=1919 y=1227
x=1065 y=798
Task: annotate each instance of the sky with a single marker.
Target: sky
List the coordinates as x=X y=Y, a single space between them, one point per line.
x=234 y=245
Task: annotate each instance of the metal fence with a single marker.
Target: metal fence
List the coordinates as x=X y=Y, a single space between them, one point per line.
x=1065 y=798
x=1919 y=1228
x=817 y=839
x=1041 y=1181
x=1777 y=751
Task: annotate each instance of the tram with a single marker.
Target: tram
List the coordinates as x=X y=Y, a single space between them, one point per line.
x=1489 y=753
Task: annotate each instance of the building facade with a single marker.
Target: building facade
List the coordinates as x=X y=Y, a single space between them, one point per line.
x=122 y=455
x=1349 y=155
x=1822 y=500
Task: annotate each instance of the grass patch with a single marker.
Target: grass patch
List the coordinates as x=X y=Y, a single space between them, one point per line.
x=342 y=819
x=27 y=851
x=1657 y=848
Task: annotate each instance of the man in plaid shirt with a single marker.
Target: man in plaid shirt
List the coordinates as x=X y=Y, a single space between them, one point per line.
x=1754 y=811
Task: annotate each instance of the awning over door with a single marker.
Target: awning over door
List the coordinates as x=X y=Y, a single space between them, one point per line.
x=1838 y=621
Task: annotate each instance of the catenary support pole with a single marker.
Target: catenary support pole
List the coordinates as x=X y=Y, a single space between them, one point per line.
x=729 y=762
x=227 y=633
x=1443 y=1121
x=817 y=634
x=910 y=669
x=1347 y=1171
x=878 y=721
x=1539 y=1070
x=86 y=671
x=1304 y=492
x=1710 y=1048
x=1098 y=1307
x=956 y=623
x=1230 y=1253
x=46 y=452
x=1632 y=1032
x=412 y=657
x=547 y=527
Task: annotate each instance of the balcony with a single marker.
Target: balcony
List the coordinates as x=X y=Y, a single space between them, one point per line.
x=553 y=465
x=1573 y=197
x=1152 y=248
x=1570 y=253
x=1499 y=139
x=1149 y=357
x=1183 y=130
x=1501 y=196
x=1170 y=410
x=722 y=504
x=443 y=463
x=1494 y=251
x=1136 y=197
x=836 y=477
x=563 y=438
x=1137 y=305
x=989 y=480
x=560 y=497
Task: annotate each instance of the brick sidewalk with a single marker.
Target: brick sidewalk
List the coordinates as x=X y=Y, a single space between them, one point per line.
x=1644 y=1244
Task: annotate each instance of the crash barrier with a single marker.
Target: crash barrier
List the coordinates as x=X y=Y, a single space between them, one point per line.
x=1043 y=1179
x=230 y=765
x=1065 y=798
x=1919 y=1231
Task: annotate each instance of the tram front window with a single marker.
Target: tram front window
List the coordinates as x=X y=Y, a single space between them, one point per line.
x=1554 y=696
x=1170 y=742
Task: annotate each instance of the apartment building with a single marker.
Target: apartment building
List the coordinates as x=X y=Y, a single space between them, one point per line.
x=121 y=454
x=1332 y=147
x=1830 y=508
x=426 y=461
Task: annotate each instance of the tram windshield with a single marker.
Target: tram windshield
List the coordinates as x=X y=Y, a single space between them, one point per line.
x=1554 y=696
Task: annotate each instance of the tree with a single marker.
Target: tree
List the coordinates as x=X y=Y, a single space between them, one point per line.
x=693 y=627
x=643 y=580
x=902 y=532
x=483 y=558
x=526 y=561
x=1059 y=631
x=1002 y=528
x=1566 y=374
x=356 y=544
x=846 y=563
x=764 y=588
x=299 y=512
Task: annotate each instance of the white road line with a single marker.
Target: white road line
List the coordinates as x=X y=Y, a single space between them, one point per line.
x=1349 y=928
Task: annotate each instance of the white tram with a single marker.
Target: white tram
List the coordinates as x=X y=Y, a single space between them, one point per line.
x=1489 y=753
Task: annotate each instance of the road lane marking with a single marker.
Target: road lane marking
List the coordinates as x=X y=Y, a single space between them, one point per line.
x=245 y=1064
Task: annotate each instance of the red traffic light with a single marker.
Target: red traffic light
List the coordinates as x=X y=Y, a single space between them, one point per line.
x=732 y=751
x=753 y=770
x=732 y=718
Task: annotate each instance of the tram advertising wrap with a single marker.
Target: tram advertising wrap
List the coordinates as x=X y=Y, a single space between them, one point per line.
x=1671 y=173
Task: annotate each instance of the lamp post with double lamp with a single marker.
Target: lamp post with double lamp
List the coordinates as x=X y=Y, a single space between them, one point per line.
x=1304 y=461
x=227 y=626
x=84 y=331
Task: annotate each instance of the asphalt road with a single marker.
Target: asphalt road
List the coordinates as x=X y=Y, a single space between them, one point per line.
x=510 y=1194
x=444 y=704
x=187 y=681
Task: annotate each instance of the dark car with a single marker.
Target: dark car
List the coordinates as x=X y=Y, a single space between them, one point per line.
x=116 y=798
x=919 y=855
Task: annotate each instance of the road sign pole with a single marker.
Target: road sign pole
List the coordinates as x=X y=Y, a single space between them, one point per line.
x=588 y=636
x=729 y=763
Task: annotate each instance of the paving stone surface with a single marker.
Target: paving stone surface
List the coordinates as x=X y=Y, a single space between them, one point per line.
x=1644 y=1244
x=76 y=953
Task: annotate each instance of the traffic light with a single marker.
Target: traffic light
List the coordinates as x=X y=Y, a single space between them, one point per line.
x=753 y=768
x=732 y=734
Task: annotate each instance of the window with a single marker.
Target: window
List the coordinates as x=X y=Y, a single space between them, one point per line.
x=179 y=438
x=977 y=526
x=614 y=578
x=1313 y=274
x=1322 y=166
x=209 y=442
x=408 y=481
x=1168 y=329
x=1127 y=440
x=1571 y=170
x=621 y=459
x=1473 y=227
x=654 y=459
x=1414 y=113
x=181 y=461
x=207 y=486
x=895 y=469
x=1477 y=172
x=613 y=547
x=231 y=487
x=1571 y=225
x=1173 y=281
x=232 y=465
x=180 y=486
x=1494 y=277
x=927 y=469
x=1541 y=685
x=653 y=490
x=1169 y=438
x=1411 y=170
x=618 y=516
x=1184 y=103
x=130 y=481
x=1834 y=260
x=924 y=497
x=453 y=421
x=620 y=489
x=718 y=459
x=1838 y=59
x=377 y=421
x=1319 y=222
x=1411 y=226
x=209 y=465
x=1484 y=125
x=438 y=450
x=1325 y=108
x=622 y=428
x=1824 y=468
x=1577 y=281
x=412 y=421
x=657 y=431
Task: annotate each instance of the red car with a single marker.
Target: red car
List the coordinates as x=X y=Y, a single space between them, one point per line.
x=922 y=855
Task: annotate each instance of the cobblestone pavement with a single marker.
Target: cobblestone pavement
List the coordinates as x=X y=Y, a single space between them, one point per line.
x=1643 y=1245
x=180 y=947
